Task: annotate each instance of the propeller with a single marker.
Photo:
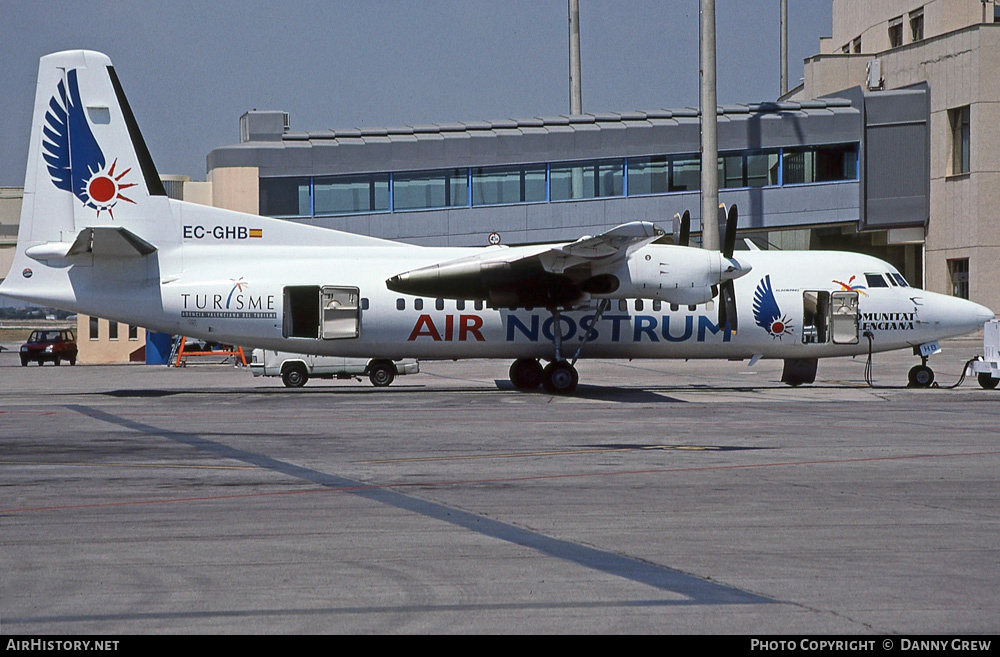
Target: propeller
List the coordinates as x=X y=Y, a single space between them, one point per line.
x=727 y=289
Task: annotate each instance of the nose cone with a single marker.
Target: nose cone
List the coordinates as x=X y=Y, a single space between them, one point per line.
x=954 y=316
x=983 y=314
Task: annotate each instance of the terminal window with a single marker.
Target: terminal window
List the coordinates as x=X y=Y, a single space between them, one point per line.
x=896 y=32
x=285 y=197
x=434 y=189
x=821 y=164
x=540 y=182
x=586 y=180
x=499 y=185
x=958 y=268
x=960 y=134
x=348 y=194
x=917 y=24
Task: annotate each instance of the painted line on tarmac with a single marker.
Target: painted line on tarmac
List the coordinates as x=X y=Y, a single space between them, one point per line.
x=695 y=589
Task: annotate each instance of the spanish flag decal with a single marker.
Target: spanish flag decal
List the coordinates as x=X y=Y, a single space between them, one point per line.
x=256 y=232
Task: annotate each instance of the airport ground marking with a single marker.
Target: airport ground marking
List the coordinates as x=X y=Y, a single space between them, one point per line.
x=696 y=590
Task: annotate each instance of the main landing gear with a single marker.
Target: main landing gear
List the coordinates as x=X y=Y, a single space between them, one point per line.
x=559 y=377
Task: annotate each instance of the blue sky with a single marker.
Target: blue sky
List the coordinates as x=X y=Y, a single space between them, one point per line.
x=190 y=69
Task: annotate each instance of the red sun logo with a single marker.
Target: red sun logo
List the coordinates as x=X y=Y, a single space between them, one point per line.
x=105 y=189
x=780 y=327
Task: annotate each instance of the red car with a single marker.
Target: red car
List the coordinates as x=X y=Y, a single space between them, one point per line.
x=54 y=345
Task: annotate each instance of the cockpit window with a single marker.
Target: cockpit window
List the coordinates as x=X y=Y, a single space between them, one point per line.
x=876 y=280
x=899 y=279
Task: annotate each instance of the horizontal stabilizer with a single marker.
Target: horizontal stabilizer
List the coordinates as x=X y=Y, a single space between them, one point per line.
x=101 y=241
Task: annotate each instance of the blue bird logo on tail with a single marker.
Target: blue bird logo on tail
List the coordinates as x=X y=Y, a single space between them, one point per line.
x=766 y=312
x=72 y=155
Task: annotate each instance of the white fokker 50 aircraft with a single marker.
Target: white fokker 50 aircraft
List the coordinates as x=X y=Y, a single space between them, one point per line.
x=99 y=236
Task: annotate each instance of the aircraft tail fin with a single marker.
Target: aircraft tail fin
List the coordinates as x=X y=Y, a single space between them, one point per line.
x=88 y=164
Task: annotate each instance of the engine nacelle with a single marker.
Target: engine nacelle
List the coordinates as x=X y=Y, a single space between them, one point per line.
x=676 y=274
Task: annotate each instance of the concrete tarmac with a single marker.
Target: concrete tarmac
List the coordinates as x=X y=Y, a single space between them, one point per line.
x=663 y=497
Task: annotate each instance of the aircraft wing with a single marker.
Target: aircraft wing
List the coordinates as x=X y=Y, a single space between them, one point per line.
x=547 y=276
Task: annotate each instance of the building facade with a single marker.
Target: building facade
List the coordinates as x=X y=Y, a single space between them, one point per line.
x=952 y=47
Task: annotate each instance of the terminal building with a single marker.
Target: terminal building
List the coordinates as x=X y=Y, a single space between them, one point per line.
x=797 y=170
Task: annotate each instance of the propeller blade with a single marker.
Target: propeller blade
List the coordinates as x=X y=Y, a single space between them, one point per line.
x=677 y=228
x=727 y=306
x=685 y=235
x=728 y=317
x=729 y=241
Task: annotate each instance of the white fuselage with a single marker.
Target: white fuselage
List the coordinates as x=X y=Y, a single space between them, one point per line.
x=236 y=293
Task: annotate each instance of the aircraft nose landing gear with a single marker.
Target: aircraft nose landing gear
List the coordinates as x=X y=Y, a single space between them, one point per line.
x=921 y=376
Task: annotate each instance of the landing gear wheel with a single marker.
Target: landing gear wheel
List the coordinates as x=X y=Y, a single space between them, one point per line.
x=381 y=373
x=24 y=361
x=526 y=373
x=72 y=361
x=921 y=376
x=58 y=362
x=295 y=375
x=986 y=381
x=560 y=378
